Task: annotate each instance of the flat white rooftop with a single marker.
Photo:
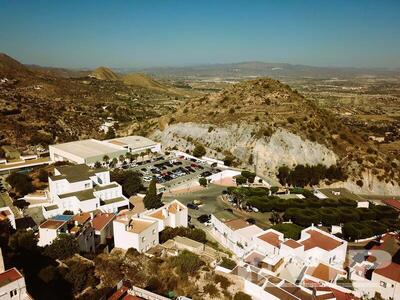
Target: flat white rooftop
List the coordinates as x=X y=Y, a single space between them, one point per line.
x=132 y=141
x=87 y=148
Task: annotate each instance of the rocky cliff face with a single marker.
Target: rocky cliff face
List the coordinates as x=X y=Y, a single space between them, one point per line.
x=269 y=153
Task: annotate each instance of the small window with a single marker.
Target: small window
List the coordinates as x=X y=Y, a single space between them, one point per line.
x=382 y=284
x=143 y=239
x=154 y=231
x=87 y=185
x=13 y=293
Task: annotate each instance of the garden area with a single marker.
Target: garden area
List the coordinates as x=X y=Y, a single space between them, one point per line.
x=358 y=223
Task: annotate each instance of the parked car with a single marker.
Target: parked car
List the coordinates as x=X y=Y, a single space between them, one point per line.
x=192 y=206
x=204 y=218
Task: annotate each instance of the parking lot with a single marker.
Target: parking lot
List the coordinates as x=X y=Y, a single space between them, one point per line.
x=170 y=171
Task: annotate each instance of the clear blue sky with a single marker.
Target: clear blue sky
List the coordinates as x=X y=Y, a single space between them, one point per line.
x=145 y=33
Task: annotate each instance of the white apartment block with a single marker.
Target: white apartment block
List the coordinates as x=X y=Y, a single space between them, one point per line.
x=81 y=189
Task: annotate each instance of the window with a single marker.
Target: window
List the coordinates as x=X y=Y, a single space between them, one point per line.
x=154 y=231
x=154 y=242
x=143 y=239
x=13 y=293
x=87 y=185
x=382 y=284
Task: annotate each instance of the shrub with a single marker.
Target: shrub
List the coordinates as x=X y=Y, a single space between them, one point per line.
x=22 y=183
x=203 y=181
x=186 y=262
x=199 y=150
x=354 y=231
x=222 y=280
x=366 y=213
x=241 y=296
x=227 y=263
x=63 y=246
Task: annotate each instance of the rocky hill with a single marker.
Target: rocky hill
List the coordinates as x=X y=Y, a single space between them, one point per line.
x=11 y=68
x=103 y=73
x=40 y=105
x=264 y=124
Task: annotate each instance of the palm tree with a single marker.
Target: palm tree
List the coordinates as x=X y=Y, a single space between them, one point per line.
x=114 y=162
x=121 y=158
x=128 y=156
x=106 y=159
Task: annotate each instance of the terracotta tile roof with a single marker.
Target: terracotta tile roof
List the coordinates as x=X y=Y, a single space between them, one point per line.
x=174 y=208
x=292 y=244
x=52 y=224
x=101 y=220
x=324 y=272
x=390 y=244
x=81 y=218
x=236 y=224
x=279 y=293
x=392 y=272
x=393 y=203
x=320 y=240
x=157 y=214
x=9 y=276
x=254 y=258
x=271 y=238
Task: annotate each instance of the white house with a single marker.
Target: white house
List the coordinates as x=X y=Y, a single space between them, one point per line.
x=320 y=246
x=103 y=226
x=78 y=226
x=133 y=232
x=12 y=286
x=81 y=189
x=50 y=229
x=173 y=214
x=233 y=233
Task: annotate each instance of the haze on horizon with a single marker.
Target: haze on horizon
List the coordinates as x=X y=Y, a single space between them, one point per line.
x=139 y=34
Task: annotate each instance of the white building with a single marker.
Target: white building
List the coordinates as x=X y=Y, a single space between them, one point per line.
x=379 y=274
x=233 y=233
x=50 y=229
x=12 y=286
x=103 y=226
x=91 y=151
x=81 y=189
x=7 y=214
x=133 y=232
x=173 y=214
x=320 y=246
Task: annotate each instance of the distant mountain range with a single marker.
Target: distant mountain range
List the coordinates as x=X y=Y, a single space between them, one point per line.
x=256 y=69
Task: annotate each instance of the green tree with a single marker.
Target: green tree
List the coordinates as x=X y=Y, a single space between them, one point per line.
x=21 y=183
x=121 y=158
x=187 y=263
x=63 y=246
x=241 y=296
x=106 y=159
x=199 y=150
x=110 y=133
x=203 y=181
x=241 y=180
x=97 y=164
x=43 y=175
x=152 y=200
